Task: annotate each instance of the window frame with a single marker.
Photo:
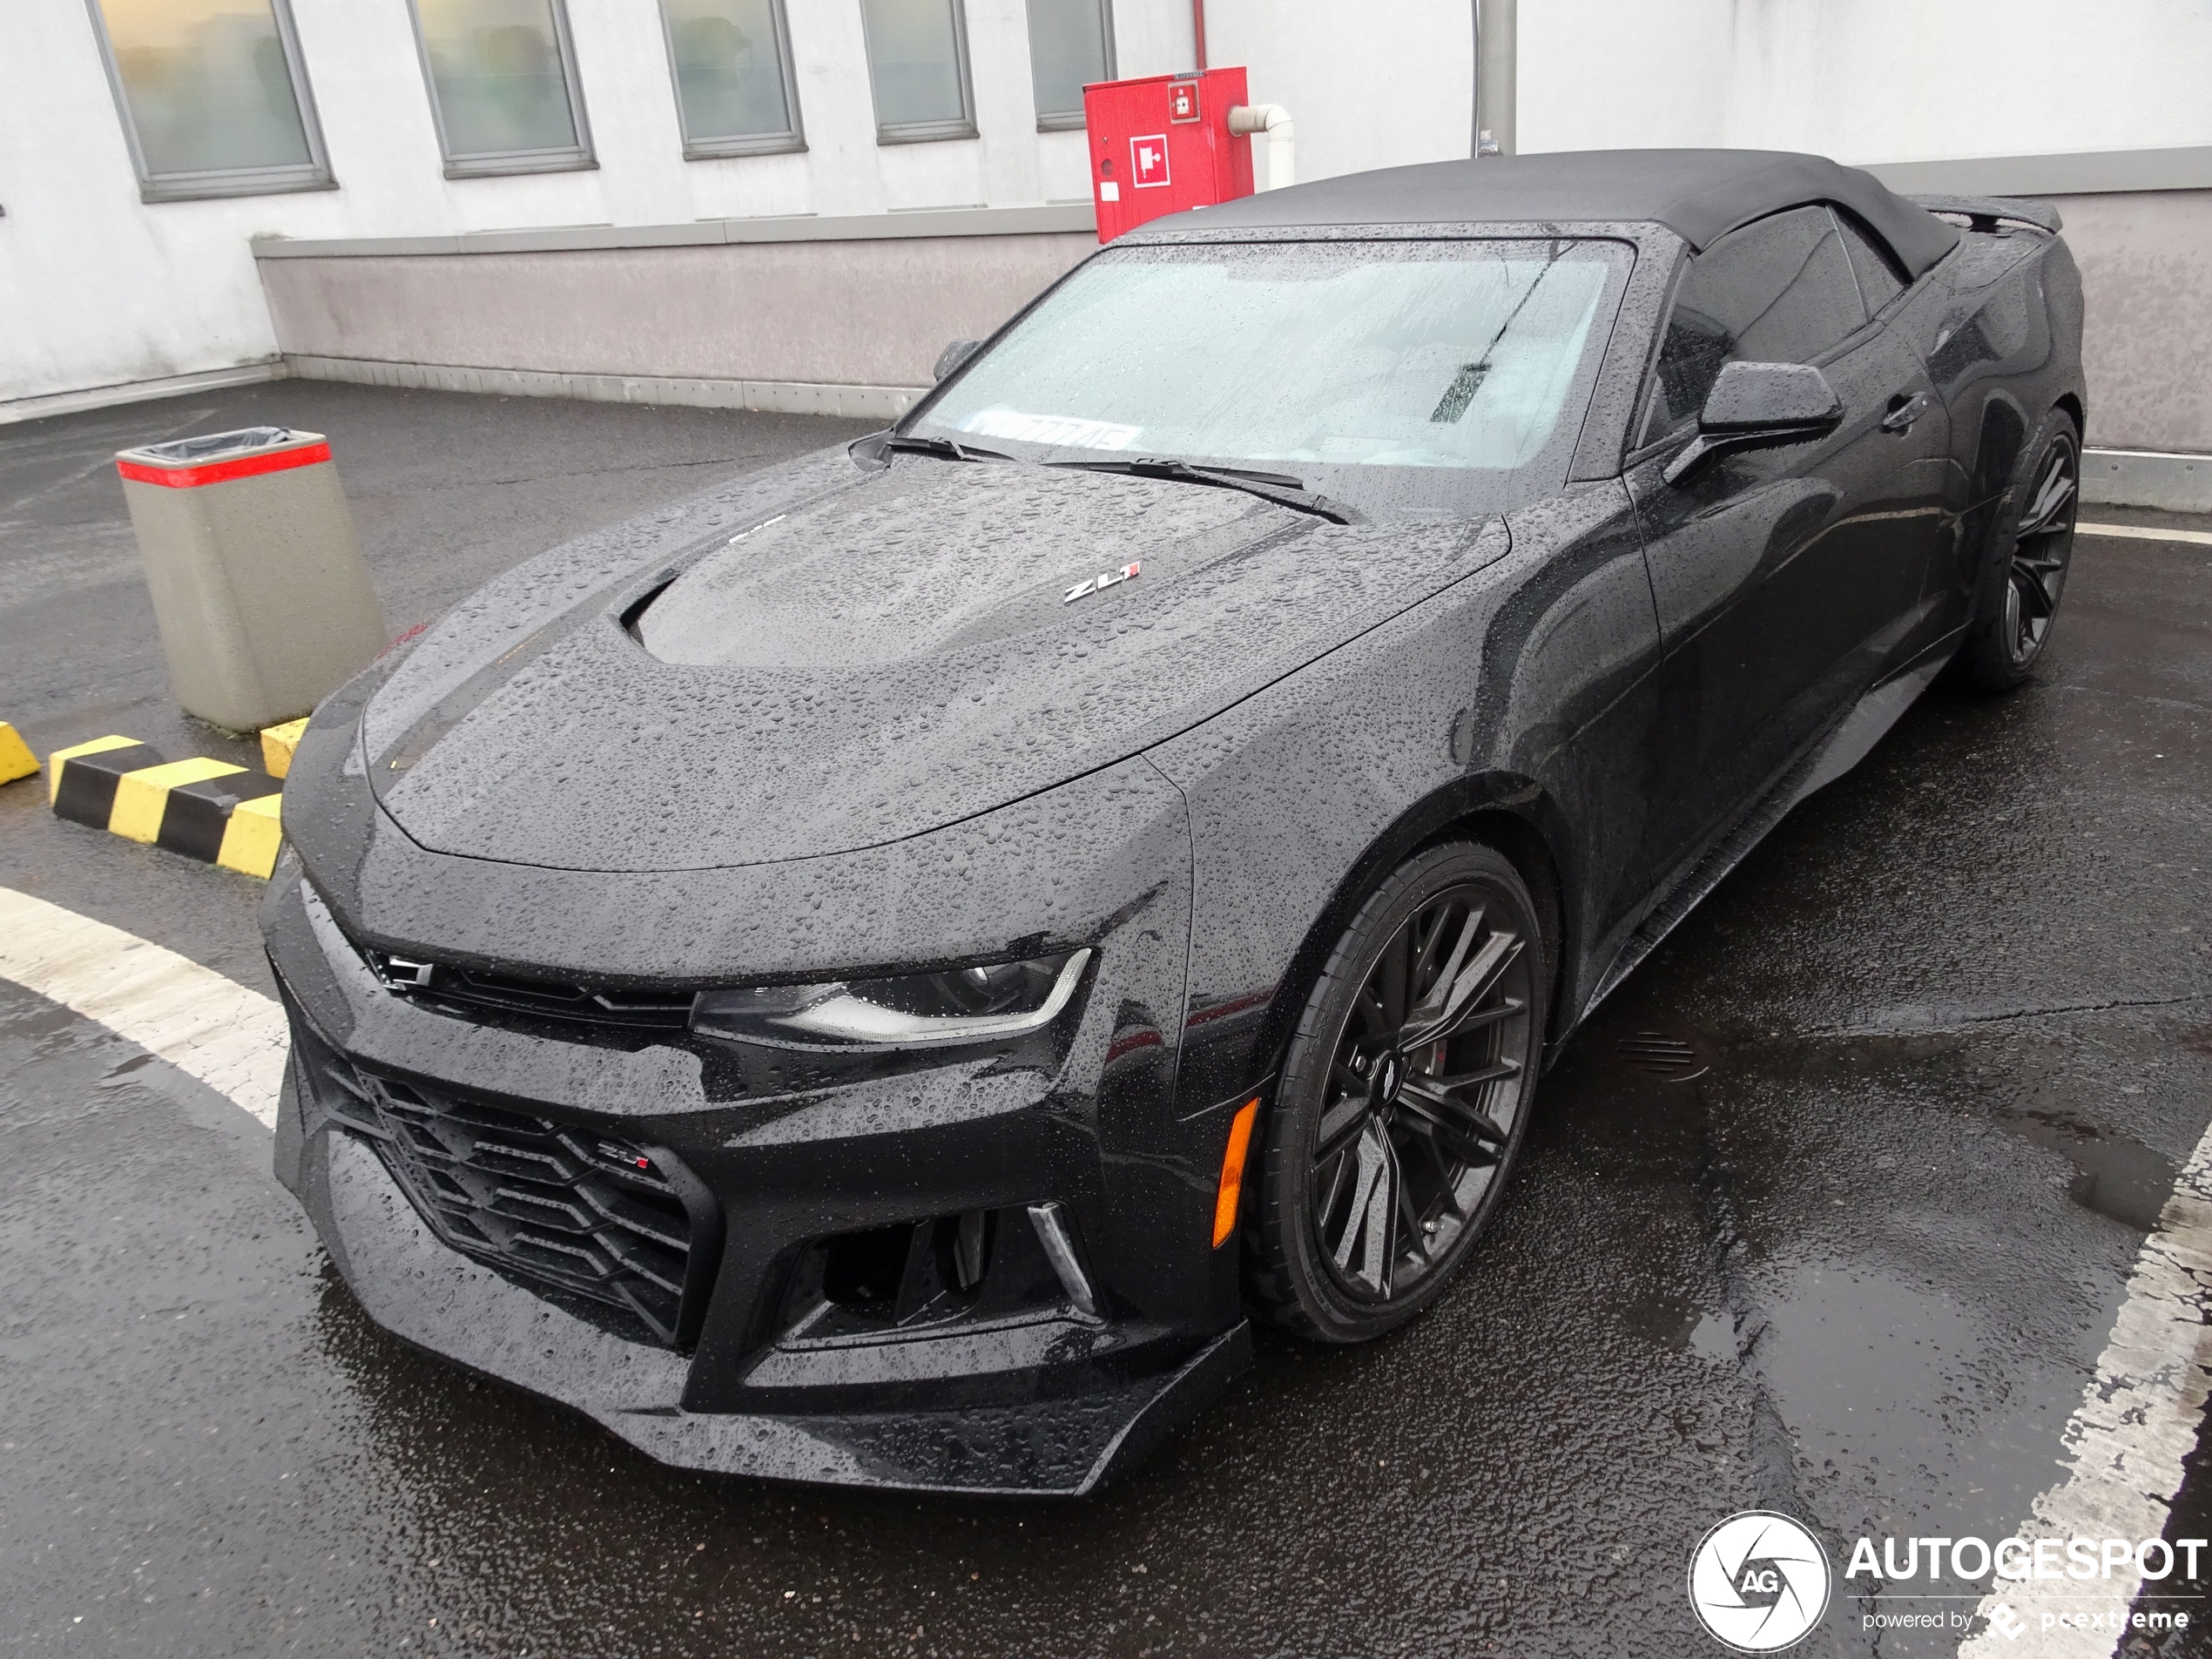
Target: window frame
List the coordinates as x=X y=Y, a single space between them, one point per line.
x=499 y=163
x=1848 y=224
x=1642 y=442
x=929 y=131
x=1067 y=120
x=213 y=183
x=788 y=142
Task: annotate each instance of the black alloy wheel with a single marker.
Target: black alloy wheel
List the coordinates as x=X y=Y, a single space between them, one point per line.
x=2022 y=588
x=1403 y=1098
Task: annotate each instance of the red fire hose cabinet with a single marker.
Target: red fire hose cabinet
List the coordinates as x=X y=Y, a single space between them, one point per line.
x=1163 y=145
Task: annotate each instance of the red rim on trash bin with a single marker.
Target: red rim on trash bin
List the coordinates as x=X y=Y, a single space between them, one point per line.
x=190 y=462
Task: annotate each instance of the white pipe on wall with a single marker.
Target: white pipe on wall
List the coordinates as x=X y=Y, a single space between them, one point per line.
x=1271 y=121
x=1496 y=62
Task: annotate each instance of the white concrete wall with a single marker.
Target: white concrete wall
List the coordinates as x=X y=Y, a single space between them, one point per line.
x=99 y=288
x=1870 y=80
x=1370 y=84
x=96 y=287
x=1389 y=82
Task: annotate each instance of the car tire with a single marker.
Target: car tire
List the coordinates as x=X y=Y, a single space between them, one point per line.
x=1403 y=1099
x=2031 y=550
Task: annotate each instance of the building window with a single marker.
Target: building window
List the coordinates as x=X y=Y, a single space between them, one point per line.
x=214 y=97
x=733 y=85
x=918 y=64
x=502 y=86
x=1071 y=44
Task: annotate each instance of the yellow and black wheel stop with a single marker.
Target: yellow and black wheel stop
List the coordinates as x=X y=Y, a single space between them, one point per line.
x=208 y=810
x=15 y=758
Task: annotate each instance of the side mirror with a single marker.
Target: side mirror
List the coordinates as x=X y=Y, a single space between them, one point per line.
x=953 y=356
x=1755 y=405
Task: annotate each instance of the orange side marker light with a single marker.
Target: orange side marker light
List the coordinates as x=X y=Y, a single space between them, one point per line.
x=1232 y=1173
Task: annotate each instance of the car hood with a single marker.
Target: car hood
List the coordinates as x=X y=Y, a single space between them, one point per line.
x=890 y=652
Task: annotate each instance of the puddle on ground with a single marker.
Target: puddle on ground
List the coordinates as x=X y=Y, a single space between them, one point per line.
x=1713 y=1338
x=1664 y=1315
x=2122 y=1180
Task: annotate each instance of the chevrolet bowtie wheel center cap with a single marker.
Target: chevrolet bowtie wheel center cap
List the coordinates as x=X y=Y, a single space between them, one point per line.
x=1390 y=1071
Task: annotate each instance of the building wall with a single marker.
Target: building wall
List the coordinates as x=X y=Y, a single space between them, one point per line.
x=117 y=291
x=847 y=313
x=2147 y=337
x=1904 y=80
x=1879 y=80
x=1396 y=88
x=123 y=291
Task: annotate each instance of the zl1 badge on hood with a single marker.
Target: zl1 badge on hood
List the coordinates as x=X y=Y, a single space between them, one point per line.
x=1094 y=583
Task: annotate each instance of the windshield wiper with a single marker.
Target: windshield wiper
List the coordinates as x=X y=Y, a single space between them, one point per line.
x=1278 y=487
x=945 y=446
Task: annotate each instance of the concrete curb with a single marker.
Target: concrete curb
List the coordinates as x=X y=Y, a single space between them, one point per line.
x=105 y=397
x=885 y=403
x=1048 y=219
x=208 y=810
x=2172 y=482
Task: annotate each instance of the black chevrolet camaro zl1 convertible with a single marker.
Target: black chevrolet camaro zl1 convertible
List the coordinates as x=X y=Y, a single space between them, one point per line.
x=877 y=972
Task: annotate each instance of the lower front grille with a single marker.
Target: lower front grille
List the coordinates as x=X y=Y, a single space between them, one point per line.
x=570 y=1208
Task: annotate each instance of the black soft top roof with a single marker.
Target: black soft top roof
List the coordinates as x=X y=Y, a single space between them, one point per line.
x=1699 y=194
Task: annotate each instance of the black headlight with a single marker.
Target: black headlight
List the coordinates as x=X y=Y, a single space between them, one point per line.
x=960 y=1005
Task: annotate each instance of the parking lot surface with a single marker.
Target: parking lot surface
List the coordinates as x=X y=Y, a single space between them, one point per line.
x=1951 y=1033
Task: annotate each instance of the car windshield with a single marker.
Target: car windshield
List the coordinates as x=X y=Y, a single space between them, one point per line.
x=1356 y=366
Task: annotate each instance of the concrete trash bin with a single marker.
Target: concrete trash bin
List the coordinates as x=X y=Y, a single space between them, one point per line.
x=258 y=588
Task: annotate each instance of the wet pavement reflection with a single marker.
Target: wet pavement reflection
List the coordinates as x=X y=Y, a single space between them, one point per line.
x=1853 y=1259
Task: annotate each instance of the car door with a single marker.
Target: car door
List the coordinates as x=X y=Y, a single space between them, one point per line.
x=1891 y=300
x=1785 y=577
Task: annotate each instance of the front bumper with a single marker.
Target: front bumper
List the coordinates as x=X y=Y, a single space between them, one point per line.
x=1012 y=1389
x=423 y=1291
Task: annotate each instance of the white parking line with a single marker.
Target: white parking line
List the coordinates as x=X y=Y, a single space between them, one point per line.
x=2137 y=1421
x=211 y=1027
x=2146 y=533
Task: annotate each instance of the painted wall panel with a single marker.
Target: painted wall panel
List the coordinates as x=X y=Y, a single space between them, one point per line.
x=2147 y=337
x=870 y=313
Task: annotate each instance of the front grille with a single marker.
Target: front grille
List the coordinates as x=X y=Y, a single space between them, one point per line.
x=574 y=1209
x=471 y=989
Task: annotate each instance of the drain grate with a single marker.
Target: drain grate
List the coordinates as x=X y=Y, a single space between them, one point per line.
x=1662 y=1055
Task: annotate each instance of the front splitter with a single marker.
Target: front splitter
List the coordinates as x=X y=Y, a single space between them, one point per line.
x=437 y=1300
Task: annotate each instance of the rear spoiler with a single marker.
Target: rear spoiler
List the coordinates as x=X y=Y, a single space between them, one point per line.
x=1985 y=212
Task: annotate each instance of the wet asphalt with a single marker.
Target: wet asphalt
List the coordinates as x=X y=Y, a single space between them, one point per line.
x=1954 y=1022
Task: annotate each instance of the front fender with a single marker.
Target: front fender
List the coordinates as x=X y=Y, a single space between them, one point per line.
x=1515 y=693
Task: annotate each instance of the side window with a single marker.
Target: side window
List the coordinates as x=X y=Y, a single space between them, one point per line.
x=1779 y=291
x=1881 y=279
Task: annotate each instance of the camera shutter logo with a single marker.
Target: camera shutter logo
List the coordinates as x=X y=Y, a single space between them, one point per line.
x=1759 y=1581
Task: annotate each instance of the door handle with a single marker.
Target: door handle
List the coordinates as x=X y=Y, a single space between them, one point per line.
x=1904 y=411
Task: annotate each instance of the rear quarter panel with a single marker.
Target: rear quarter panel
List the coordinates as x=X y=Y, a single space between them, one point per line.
x=1998 y=325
